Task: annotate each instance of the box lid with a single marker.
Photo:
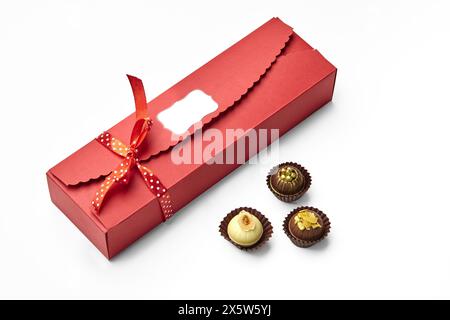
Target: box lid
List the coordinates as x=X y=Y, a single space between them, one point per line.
x=226 y=78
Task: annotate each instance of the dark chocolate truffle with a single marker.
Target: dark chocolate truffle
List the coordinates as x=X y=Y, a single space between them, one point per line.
x=306 y=226
x=288 y=181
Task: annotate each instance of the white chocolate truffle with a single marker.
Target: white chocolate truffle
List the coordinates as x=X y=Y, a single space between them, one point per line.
x=245 y=229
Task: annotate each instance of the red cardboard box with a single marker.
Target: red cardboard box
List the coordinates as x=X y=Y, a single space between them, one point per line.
x=271 y=79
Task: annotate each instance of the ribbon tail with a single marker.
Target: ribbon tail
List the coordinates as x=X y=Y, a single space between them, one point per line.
x=143 y=123
x=119 y=174
x=139 y=97
x=159 y=190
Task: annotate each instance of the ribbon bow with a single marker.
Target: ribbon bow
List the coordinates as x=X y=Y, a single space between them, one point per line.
x=129 y=153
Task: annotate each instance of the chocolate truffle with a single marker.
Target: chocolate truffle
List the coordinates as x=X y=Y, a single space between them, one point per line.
x=306 y=226
x=245 y=229
x=288 y=181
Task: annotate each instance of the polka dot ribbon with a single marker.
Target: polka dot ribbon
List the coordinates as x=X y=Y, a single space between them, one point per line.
x=129 y=153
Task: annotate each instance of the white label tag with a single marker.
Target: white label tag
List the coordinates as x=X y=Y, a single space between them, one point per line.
x=186 y=112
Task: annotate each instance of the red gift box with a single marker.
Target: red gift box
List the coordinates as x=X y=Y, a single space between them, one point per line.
x=271 y=79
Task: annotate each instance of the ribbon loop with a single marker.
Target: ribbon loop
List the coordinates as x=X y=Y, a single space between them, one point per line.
x=140 y=130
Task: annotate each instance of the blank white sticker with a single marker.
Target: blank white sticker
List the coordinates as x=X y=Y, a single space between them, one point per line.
x=186 y=112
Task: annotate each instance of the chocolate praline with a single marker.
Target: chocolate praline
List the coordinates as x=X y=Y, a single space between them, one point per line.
x=246 y=228
x=288 y=181
x=306 y=226
x=304 y=230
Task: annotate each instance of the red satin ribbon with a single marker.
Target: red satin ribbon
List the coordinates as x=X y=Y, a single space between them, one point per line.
x=129 y=153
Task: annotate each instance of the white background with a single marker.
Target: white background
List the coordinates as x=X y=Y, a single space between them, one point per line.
x=379 y=154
